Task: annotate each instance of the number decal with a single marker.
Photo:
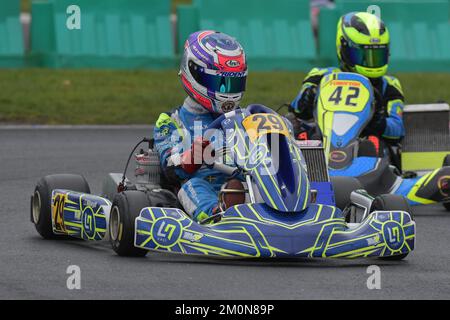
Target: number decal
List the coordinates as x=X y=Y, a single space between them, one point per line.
x=336 y=96
x=58 y=205
x=261 y=120
x=350 y=97
x=262 y=123
x=276 y=122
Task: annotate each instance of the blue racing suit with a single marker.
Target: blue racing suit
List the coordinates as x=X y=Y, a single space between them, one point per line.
x=174 y=133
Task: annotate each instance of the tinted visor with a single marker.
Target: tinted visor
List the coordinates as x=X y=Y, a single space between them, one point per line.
x=218 y=83
x=368 y=56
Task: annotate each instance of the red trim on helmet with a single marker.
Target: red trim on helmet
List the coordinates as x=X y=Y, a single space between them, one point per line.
x=205 y=102
x=231 y=63
x=204 y=34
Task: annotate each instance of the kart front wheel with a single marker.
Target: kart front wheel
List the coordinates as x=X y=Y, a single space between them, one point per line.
x=446 y=163
x=125 y=209
x=41 y=201
x=391 y=202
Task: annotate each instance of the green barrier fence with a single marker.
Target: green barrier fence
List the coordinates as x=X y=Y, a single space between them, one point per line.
x=11 y=35
x=113 y=34
x=275 y=34
x=419 y=31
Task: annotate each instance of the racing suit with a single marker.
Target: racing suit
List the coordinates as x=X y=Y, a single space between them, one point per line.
x=174 y=132
x=387 y=122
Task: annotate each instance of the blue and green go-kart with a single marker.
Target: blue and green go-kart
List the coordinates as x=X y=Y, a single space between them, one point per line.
x=344 y=107
x=289 y=208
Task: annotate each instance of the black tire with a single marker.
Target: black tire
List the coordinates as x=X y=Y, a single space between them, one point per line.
x=446 y=205
x=391 y=202
x=125 y=209
x=343 y=187
x=41 y=200
x=446 y=163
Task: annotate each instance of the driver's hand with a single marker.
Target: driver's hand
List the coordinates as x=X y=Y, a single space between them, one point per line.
x=193 y=158
x=377 y=125
x=307 y=100
x=296 y=122
x=300 y=132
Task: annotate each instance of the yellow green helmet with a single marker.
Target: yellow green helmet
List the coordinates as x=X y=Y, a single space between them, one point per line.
x=362 y=43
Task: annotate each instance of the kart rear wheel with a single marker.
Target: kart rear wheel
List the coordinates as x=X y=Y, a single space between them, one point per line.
x=391 y=202
x=41 y=201
x=125 y=209
x=343 y=187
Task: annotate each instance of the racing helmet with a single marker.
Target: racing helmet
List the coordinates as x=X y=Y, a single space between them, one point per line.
x=213 y=70
x=362 y=43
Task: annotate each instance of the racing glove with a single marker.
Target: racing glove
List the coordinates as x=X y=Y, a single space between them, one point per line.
x=193 y=158
x=296 y=122
x=302 y=129
x=377 y=125
x=305 y=106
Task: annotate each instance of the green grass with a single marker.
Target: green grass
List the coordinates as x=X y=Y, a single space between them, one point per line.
x=48 y=96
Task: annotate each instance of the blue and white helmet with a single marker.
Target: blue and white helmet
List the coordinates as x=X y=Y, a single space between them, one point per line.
x=214 y=70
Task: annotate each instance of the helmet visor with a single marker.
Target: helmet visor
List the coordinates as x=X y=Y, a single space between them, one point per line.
x=369 y=56
x=219 y=83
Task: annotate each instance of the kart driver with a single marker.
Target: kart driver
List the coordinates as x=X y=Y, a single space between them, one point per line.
x=362 y=44
x=213 y=72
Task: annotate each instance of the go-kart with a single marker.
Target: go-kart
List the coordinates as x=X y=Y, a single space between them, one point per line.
x=344 y=107
x=289 y=209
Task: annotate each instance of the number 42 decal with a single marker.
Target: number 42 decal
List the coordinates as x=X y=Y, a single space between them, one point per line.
x=336 y=96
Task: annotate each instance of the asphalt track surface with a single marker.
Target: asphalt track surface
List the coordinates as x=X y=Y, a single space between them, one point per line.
x=33 y=268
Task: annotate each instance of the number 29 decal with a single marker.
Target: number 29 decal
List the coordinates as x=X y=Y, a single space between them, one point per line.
x=58 y=209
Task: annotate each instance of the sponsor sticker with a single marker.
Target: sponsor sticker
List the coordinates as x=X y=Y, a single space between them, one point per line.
x=233 y=63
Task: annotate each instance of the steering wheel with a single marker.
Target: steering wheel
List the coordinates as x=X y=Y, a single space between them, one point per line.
x=217 y=123
x=252 y=109
x=217 y=165
x=259 y=108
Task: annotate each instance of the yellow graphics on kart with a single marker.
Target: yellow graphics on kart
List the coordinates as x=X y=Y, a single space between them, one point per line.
x=259 y=124
x=344 y=107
